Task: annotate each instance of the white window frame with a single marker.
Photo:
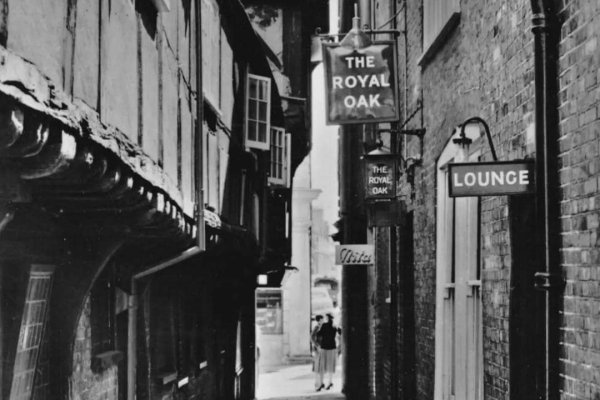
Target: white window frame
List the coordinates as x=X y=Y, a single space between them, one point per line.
x=439 y=17
x=280 y=143
x=251 y=102
x=32 y=333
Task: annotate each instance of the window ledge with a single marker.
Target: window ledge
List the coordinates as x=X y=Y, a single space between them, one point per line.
x=440 y=39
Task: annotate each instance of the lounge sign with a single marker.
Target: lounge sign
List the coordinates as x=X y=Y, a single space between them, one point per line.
x=354 y=254
x=491 y=178
x=361 y=83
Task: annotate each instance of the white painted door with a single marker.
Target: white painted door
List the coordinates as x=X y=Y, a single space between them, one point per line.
x=459 y=352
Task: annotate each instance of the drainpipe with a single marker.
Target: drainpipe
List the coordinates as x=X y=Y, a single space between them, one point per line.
x=546 y=31
x=200 y=246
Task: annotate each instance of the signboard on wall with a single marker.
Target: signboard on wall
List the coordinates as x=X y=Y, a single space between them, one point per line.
x=354 y=254
x=380 y=178
x=361 y=83
x=491 y=178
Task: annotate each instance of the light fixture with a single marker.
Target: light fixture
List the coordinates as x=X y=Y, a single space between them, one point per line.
x=316 y=49
x=468 y=129
x=356 y=38
x=464 y=143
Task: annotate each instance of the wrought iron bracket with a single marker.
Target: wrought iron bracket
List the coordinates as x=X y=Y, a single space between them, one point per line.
x=548 y=281
x=411 y=132
x=419 y=133
x=331 y=36
x=487 y=133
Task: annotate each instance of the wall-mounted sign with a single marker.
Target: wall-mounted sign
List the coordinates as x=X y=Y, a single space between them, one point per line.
x=354 y=254
x=380 y=177
x=361 y=83
x=491 y=178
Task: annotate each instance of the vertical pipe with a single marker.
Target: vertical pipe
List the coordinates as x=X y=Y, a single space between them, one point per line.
x=546 y=36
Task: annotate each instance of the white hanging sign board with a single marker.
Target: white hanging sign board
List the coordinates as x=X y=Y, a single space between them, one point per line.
x=354 y=254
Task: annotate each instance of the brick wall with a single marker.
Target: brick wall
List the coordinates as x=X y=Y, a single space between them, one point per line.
x=85 y=384
x=483 y=69
x=579 y=175
x=486 y=69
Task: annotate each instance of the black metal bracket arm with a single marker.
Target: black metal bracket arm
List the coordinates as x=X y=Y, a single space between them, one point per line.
x=547 y=281
x=419 y=133
x=394 y=32
x=410 y=132
x=487 y=133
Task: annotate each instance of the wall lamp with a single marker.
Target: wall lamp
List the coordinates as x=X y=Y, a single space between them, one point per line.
x=356 y=38
x=464 y=141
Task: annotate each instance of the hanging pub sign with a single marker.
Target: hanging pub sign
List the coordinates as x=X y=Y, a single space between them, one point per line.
x=361 y=83
x=380 y=175
x=354 y=254
x=491 y=178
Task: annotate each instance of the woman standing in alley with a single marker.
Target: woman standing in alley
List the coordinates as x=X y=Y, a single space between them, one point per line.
x=329 y=352
x=315 y=339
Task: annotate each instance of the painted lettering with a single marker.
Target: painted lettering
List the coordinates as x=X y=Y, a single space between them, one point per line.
x=360 y=62
x=349 y=101
x=497 y=177
x=511 y=177
x=363 y=81
x=374 y=100
x=380 y=190
x=348 y=256
x=337 y=82
x=480 y=177
x=379 y=180
x=524 y=177
x=457 y=181
x=470 y=179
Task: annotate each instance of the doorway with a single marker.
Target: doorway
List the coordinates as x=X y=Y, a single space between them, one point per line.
x=458 y=332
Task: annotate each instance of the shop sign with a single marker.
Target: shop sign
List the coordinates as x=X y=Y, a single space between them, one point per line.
x=491 y=178
x=361 y=83
x=354 y=254
x=380 y=178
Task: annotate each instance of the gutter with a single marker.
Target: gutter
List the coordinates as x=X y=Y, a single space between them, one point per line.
x=546 y=31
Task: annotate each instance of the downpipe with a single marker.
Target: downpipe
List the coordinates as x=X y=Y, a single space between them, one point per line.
x=546 y=31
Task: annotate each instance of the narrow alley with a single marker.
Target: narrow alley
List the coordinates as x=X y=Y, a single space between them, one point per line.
x=295 y=382
x=199 y=199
